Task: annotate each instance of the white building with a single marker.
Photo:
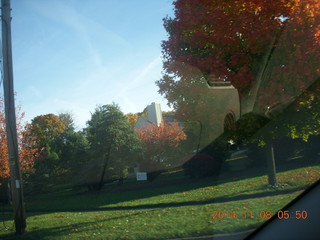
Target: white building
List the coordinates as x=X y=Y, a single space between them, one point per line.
x=154 y=116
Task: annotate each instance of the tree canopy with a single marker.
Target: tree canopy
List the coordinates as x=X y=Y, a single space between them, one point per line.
x=63 y=150
x=46 y=128
x=233 y=40
x=114 y=146
x=161 y=144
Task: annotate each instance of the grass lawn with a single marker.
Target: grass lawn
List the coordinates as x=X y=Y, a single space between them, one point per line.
x=151 y=223
x=171 y=211
x=198 y=192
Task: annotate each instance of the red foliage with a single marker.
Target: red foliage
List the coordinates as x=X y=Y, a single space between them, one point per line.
x=27 y=151
x=231 y=38
x=159 y=141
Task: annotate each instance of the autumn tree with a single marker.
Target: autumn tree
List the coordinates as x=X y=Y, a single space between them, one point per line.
x=64 y=150
x=273 y=45
x=27 y=149
x=161 y=144
x=132 y=118
x=26 y=146
x=268 y=50
x=3 y=145
x=114 y=146
x=230 y=39
x=47 y=129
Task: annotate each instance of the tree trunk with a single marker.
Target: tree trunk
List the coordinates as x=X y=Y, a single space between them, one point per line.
x=107 y=156
x=271 y=165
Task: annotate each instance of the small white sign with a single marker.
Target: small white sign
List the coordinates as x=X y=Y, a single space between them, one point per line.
x=141 y=176
x=17 y=184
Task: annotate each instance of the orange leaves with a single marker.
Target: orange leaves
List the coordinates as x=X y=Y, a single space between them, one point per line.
x=132 y=118
x=223 y=37
x=166 y=134
x=4 y=165
x=158 y=141
x=46 y=127
x=27 y=151
x=317 y=35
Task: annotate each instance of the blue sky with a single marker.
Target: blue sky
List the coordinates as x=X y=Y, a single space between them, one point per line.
x=71 y=55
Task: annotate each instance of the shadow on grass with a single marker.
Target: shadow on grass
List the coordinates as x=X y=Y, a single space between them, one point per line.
x=59 y=232
x=213 y=200
x=210 y=201
x=88 y=230
x=84 y=201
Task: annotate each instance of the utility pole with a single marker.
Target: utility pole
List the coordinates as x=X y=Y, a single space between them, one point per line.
x=11 y=127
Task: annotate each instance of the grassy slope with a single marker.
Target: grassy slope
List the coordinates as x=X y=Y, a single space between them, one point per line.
x=169 y=222
x=152 y=223
x=199 y=192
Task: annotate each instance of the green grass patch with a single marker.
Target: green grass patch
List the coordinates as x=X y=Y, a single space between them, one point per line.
x=173 y=211
x=150 y=224
x=197 y=192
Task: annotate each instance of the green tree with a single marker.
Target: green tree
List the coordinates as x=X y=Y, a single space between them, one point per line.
x=74 y=154
x=67 y=119
x=114 y=146
x=73 y=147
x=47 y=130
